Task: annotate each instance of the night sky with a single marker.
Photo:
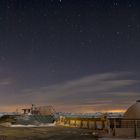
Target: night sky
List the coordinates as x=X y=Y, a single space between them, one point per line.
x=77 y=55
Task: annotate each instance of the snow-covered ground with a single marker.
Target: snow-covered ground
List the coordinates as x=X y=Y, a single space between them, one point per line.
x=40 y=125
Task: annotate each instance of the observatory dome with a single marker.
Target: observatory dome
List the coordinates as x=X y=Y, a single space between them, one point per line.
x=133 y=112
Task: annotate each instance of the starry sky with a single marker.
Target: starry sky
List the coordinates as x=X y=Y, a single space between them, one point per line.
x=77 y=55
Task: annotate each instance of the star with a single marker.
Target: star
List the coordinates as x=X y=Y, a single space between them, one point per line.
x=130 y=5
x=117 y=32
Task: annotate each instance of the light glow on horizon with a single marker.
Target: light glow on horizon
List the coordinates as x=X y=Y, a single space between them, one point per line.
x=14 y=108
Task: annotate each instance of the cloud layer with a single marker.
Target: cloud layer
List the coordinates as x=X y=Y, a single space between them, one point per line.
x=99 y=92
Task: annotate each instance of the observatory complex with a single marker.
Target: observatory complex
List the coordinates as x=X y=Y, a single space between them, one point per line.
x=109 y=124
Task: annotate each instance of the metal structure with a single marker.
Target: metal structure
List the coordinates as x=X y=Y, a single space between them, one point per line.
x=37 y=115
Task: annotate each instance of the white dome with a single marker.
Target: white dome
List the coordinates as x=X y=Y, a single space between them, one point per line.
x=133 y=112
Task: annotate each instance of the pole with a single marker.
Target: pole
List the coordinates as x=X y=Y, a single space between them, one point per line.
x=135 y=129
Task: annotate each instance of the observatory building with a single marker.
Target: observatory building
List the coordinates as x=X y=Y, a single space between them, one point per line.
x=128 y=125
x=133 y=111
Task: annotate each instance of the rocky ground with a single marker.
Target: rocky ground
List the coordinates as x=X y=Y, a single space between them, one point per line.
x=49 y=133
x=118 y=139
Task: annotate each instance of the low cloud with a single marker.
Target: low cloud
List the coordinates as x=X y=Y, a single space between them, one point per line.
x=97 y=91
x=5 y=82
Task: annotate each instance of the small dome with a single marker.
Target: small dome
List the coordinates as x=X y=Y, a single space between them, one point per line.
x=133 y=112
